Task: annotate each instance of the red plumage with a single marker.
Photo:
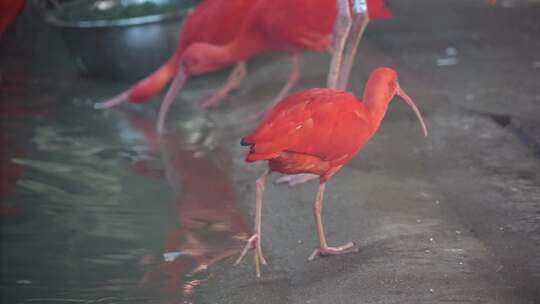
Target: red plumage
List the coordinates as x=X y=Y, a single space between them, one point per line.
x=378 y=10
x=318 y=130
x=212 y=21
x=294 y=25
x=9 y=10
x=311 y=132
x=277 y=25
x=220 y=33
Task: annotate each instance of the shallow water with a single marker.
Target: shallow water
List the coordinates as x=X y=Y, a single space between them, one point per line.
x=91 y=202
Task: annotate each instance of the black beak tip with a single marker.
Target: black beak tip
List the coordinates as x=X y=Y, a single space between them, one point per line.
x=243 y=142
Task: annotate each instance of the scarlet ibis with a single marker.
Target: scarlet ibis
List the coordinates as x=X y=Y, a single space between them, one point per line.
x=290 y=26
x=351 y=21
x=213 y=22
x=294 y=26
x=318 y=131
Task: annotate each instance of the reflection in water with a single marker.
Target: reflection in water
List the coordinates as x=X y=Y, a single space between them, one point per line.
x=209 y=225
x=9 y=172
x=86 y=217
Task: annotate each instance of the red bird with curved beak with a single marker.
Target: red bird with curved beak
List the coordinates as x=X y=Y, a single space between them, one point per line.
x=352 y=19
x=290 y=26
x=213 y=22
x=318 y=131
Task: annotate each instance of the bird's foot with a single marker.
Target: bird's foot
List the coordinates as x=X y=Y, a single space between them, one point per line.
x=296 y=179
x=254 y=242
x=326 y=251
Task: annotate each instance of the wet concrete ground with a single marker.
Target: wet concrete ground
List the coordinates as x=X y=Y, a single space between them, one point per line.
x=452 y=218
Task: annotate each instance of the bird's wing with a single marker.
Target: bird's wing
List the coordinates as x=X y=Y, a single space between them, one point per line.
x=325 y=123
x=301 y=23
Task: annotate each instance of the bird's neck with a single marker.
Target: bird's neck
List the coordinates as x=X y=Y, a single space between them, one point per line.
x=376 y=105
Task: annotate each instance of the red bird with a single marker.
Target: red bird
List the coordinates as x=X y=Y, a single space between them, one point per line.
x=352 y=19
x=318 y=131
x=9 y=10
x=290 y=26
x=213 y=22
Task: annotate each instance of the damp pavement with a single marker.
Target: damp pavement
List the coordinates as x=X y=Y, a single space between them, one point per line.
x=91 y=200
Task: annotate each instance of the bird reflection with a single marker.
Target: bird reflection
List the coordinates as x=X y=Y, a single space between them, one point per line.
x=209 y=227
x=10 y=172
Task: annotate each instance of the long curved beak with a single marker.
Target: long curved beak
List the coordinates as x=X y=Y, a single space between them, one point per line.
x=410 y=102
x=177 y=84
x=119 y=99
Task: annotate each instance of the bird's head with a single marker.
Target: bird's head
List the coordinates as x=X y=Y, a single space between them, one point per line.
x=382 y=86
x=201 y=58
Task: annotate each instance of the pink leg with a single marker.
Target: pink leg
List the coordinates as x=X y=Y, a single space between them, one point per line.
x=254 y=242
x=176 y=85
x=341 y=32
x=235 y=78
x=296 y=179
x=293 y=79
x=323 y=246
x=359 y=22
